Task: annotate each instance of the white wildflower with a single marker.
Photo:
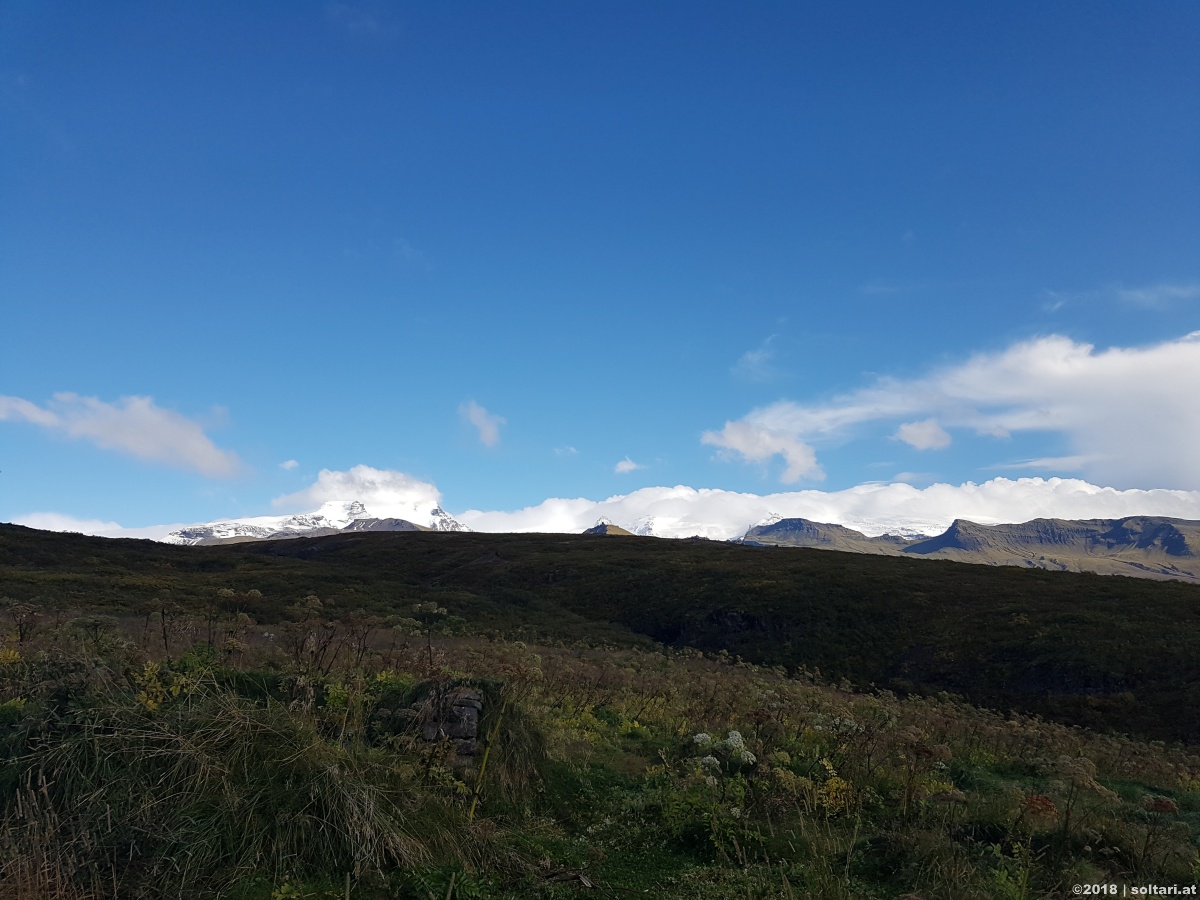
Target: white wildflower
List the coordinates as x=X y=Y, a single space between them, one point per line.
x=703 y=739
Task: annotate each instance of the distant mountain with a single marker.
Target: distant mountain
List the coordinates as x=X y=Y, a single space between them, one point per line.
x=1141 y=546
x=385 y=525
x=334 y=517
x=604 y=526
x=803 y=533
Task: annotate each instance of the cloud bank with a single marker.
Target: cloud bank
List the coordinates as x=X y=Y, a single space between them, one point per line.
x=98 y=527
x=683 y=511
x=871 y=508
x=133 y=425
x=1128 y=415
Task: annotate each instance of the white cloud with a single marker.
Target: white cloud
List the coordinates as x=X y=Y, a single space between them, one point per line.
x=384 y=492
x=1155 y=296
x=565 y=451
x=369 y=22
x=757 y=443
x=288 y=464
x=924 y=435
x=1158 y=296
x=488 y=424
x=15 y=408
x=755 y=365
x=1127 y=413
x=1054 y=301
x=912 y=477
x=627 y=465
x=408 y=257
x=878 y=288
x=48 y=521
x=1050 y=463
x=133 y=425
x=872 y=508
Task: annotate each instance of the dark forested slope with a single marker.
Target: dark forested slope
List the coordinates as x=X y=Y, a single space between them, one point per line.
x=1109 y=652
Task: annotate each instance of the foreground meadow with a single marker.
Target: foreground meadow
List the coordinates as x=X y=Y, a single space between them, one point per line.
x=197 y=752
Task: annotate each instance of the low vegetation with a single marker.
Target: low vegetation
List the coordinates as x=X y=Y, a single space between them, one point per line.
x=267 y=742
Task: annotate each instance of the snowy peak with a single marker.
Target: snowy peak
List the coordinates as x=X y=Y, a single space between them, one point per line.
x=333 y=517
x=440 y=520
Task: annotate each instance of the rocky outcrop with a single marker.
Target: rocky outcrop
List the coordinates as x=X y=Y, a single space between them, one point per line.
x=383 y=525
x=454 y=716
x=449 y=714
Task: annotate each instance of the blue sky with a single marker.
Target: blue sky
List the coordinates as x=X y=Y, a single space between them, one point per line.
x=504 y=248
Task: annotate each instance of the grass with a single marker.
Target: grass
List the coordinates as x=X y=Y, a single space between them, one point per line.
x=184 y=746
x=661 y=773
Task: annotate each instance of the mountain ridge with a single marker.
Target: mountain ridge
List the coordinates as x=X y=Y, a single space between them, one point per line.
x=1138 y=546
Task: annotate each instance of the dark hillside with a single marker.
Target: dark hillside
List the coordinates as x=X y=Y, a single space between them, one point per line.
x=1107 y=652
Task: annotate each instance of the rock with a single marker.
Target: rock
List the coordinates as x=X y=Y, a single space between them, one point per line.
x=465 y=723
x=453 y=715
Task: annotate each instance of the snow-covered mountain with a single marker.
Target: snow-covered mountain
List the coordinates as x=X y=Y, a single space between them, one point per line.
x=331 y=518
x=684 y=526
